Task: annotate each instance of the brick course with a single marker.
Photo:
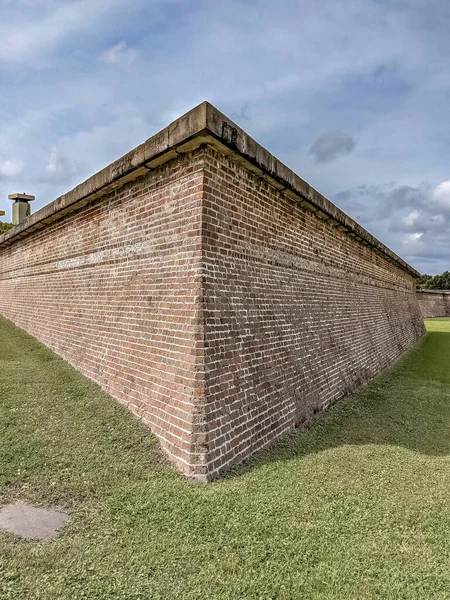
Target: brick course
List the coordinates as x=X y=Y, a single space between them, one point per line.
x=221 y=307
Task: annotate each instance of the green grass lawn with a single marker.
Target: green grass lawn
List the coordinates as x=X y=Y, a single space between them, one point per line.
x=357 y=507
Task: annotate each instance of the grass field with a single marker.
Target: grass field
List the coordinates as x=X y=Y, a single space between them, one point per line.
x=357 y=507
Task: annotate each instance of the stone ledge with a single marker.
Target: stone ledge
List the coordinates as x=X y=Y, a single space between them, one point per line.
x=203 y=124
x=433 y=291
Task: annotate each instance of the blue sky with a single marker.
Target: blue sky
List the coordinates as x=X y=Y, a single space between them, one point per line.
x=352 y=95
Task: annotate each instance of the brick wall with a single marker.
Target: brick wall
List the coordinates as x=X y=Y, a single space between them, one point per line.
x=298 y=313
x=434 y=303
x=113 y=288
x=202 y=283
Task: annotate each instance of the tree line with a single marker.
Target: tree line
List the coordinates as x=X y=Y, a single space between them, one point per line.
x=434 y=282
x=5 y=226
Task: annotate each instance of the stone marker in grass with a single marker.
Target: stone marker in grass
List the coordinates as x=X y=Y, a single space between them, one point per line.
x=31 y=521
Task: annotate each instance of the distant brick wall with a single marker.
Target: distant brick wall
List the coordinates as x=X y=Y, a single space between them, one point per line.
x=434 y=303
x=221 y=310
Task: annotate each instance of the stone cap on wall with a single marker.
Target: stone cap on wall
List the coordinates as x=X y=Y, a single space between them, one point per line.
x=203 y=124
x=433 y=291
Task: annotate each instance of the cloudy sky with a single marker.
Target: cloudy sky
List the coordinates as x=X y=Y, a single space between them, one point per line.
x=353 y=95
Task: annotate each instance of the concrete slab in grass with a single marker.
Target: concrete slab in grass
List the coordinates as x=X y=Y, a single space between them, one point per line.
x=31 y=521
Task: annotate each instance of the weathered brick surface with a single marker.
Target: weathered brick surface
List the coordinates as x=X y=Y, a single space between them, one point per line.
x=114 y=289
x=434 y=303
x=219 y=309
x=298 y=314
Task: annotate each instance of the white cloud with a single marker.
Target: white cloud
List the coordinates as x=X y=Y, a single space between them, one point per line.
x=410 y=219
x=441 y=195
x=414 y=237
x=10 y=168
x=412 y=242
x=438 y=220
x=58 y=169
x=55 y=163
x=41 y=33
x=120 y=55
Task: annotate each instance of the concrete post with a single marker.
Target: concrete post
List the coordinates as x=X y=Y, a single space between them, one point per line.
x=21 y=207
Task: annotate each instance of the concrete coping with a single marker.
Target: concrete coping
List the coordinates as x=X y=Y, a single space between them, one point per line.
x=21 y=197
x=433 y=291
x=204 y=124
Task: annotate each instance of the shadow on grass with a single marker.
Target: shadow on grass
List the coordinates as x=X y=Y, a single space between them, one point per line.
x=407 y=406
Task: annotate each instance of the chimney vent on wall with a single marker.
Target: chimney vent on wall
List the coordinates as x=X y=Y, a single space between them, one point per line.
x=21 y=207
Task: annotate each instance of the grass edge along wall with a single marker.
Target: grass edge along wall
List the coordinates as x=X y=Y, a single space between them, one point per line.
x=202 y=283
